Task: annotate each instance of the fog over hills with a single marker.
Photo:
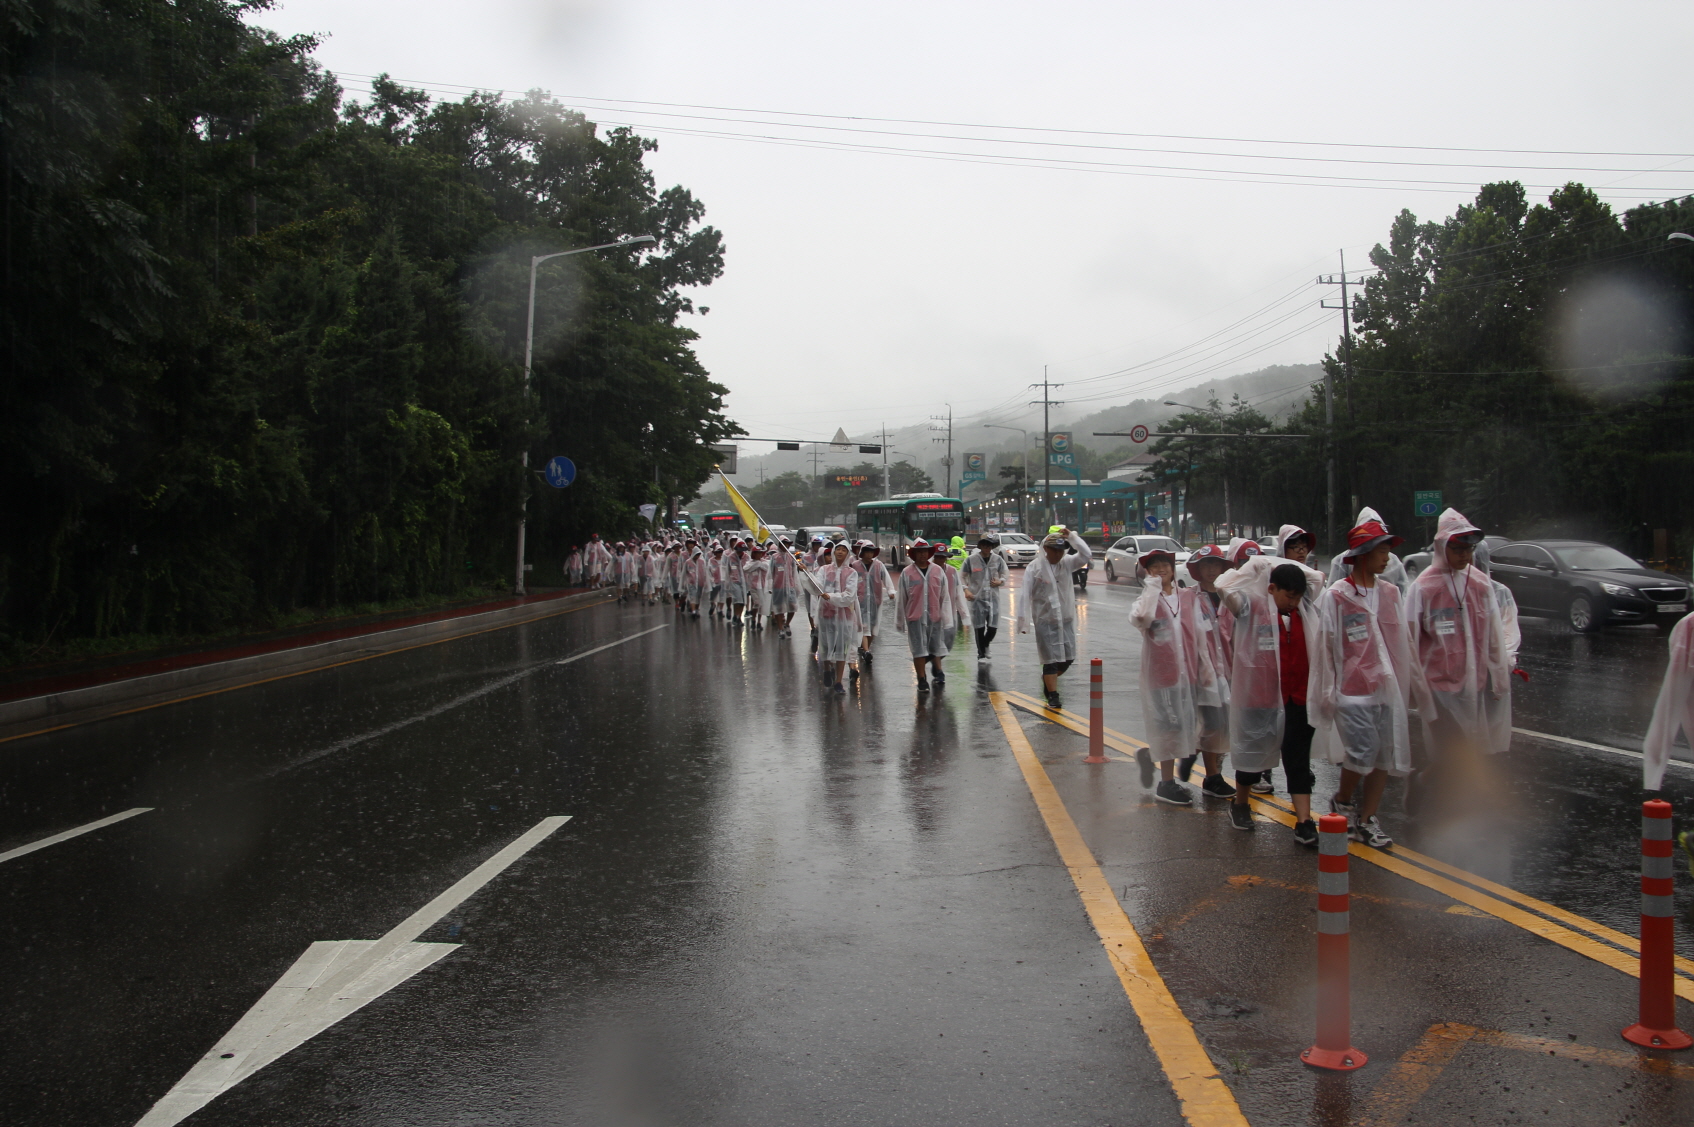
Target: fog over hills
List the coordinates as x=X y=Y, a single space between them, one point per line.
x=1277 y=391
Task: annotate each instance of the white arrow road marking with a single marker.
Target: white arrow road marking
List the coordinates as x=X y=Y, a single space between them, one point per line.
x=331 y=980
x=12 y=854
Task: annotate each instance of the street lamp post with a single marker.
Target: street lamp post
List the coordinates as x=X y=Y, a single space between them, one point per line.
x=1023 y=452
x=528 y=355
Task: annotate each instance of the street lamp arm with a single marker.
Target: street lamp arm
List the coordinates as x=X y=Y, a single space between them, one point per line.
x=638 y=240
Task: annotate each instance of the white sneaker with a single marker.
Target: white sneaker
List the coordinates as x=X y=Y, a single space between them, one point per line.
x=1370 y=832
x=983 y=660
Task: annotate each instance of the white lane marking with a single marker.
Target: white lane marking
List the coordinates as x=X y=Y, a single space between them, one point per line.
x=1686 y=766
x=332 y=979
x=445 y=706
x=13 y=854
x=609 y=645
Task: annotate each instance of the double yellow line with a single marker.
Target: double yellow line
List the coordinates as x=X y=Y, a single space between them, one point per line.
x=1594 y=940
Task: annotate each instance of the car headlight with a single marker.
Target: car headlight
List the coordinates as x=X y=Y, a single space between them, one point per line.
x=1620 y=590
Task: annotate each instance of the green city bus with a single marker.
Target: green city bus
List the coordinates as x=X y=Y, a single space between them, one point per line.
x=718 y=523
x=894 y=523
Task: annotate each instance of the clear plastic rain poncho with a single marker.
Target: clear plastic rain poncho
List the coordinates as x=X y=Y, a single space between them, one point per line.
x=758 y=586
x=735 y=576
x=784 y=582
x=1047 y=602
x=1363 y=678
x=1506 y=601
x=984 y=598
x=1396 y=571
x=874 y=590
x=838 y=611
x=1167 y=676
x=1461 y=674
x=694 y=577
x=573 y=567
x=1256 y=715
x=1675 y=707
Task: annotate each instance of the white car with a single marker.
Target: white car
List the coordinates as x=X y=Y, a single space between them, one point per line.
x=1124 y=558
x=1018 y=549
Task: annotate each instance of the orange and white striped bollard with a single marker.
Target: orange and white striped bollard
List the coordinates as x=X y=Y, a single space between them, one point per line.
x=1096 y=715
x=1656 y=1028
x=1334 y=1048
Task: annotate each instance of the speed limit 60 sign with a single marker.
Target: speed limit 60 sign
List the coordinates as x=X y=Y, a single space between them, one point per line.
x=1138 y=433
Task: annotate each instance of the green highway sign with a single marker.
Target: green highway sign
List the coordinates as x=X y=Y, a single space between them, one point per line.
x=1427 y=502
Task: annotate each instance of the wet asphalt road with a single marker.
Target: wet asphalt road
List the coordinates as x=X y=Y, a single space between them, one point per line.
x=776 y=907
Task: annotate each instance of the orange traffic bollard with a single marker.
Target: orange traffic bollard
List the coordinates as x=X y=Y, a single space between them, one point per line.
x=1334 y=1048
x=1657 y=1027
x=1096 y=715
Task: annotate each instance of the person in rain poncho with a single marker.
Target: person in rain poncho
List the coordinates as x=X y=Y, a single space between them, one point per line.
x=1273 y=610
x=1508 y=604
x=1363 y=681
x=1167 y=678
x=875 y=588
x=694 y=575
x=676 y=577
x=956 y=553
x=628 y=571
x=649 y=562
x=714 y=580
x=573 y=567
x=984 y=577
x=1207 y=631
x=839 y=630
x=758 y=588
x=1295 y=544
x=1395 y=572
x=785 y=587
x=1461 y=671
x=814 y=557
x=1674 y=710
x=735 y=581
x=925 y=600
x=1048 y=603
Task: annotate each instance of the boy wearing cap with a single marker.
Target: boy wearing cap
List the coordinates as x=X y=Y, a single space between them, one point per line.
x=984 y=573
x=1272 y=604
x=1363 y=682
x=924 y=599
x=1167 y=685
x=758 y=573
x=1049 y=605
x=1461 y=669
x=1206 y=626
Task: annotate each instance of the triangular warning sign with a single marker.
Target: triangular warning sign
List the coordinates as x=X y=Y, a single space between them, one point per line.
x=840 y=441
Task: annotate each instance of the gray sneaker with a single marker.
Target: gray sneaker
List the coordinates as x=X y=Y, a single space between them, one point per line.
x=1174 y=793
x=1370 y=832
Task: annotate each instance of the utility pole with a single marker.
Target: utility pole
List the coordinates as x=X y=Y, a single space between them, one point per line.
x=885 y=461
x=1046 y=403
x=1329 y=386
x=948 y=460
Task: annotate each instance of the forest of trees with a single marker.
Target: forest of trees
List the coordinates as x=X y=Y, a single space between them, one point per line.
x=1531 y=362
x=264 y=344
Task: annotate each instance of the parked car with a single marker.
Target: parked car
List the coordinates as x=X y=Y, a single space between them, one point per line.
x=1588 y=585
x=1018 y=549
x=1269 y=547
x=1123 y=558
x=1416 y=561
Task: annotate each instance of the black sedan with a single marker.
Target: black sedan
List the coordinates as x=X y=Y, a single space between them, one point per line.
x=1588 y=585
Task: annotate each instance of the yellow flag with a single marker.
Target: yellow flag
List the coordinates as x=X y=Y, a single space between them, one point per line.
x=748 y=516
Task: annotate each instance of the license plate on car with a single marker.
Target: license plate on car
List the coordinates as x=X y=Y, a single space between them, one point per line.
x=1672 y=608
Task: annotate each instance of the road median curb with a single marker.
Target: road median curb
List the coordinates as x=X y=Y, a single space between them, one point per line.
x=51 y=711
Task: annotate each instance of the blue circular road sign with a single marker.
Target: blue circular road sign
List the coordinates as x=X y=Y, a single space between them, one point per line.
x=561 y=471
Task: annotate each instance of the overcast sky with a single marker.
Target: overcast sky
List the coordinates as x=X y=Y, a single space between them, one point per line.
x=862 y=287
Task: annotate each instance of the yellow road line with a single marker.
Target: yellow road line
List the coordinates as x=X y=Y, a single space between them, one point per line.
x=1413 y=1074
x=1205 y=1099
x=285 y=676
x=1115 y=740
x=1416 y=1071
x=1400 y=862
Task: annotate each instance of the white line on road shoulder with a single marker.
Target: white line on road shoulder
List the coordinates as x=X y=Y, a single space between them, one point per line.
x=1686 y=766
x=13 y=854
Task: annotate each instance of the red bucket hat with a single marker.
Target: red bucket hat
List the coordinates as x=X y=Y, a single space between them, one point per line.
x=1244 y=551
x=1369 y=535
x=1209 y=552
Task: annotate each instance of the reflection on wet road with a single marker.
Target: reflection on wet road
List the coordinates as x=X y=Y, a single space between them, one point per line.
x=774 y=906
